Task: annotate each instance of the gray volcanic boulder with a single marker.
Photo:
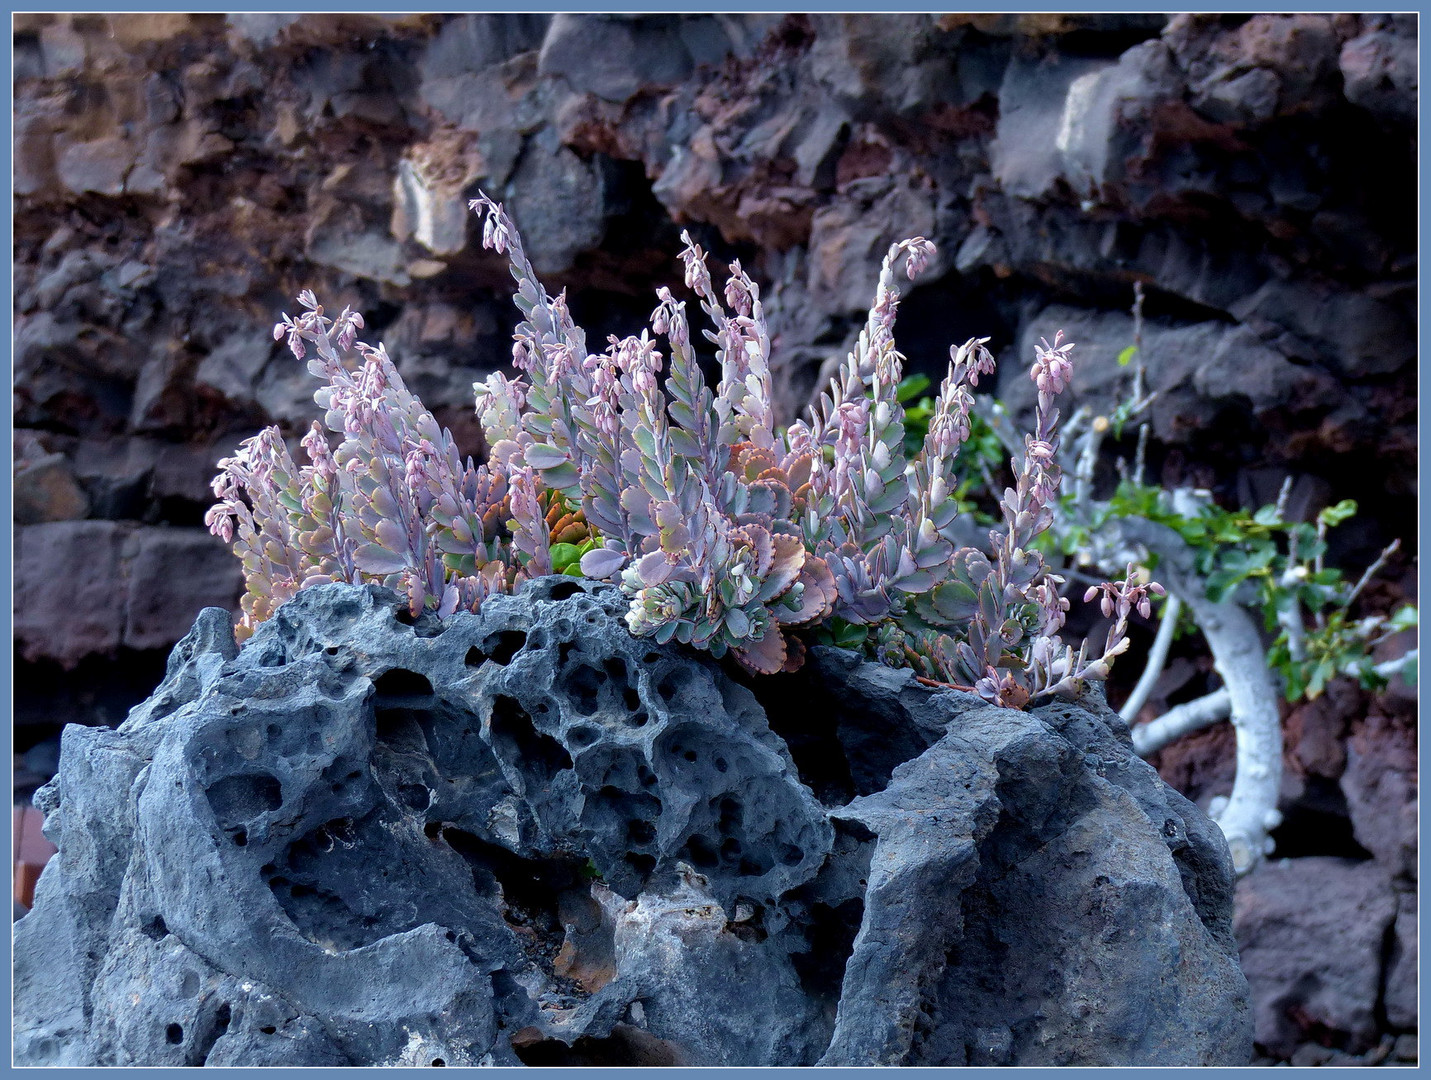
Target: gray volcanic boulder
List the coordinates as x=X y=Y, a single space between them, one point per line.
x=525 y=836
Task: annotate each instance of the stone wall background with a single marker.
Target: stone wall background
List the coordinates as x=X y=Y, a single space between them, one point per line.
x=179 y=178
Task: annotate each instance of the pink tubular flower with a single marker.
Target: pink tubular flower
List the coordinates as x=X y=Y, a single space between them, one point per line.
x=318 y=452
x=920 y=251
x=698 y=278
x=604 y=403
x=661 y=317
x=740 y=291
x=1052 y=369
x=220 y=521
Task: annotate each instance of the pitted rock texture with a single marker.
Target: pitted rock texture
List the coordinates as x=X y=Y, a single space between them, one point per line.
x=525 y=836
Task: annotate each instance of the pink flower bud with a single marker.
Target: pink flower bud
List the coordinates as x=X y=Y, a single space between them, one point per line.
x=920 y=251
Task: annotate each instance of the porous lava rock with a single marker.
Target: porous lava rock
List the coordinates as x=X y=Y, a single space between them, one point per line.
x=524 y=836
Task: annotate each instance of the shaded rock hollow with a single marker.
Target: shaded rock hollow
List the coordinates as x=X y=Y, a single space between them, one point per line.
x=525 y=836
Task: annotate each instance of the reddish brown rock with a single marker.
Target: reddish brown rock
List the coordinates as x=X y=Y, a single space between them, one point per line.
x=1310 y=932
x=1380 y=784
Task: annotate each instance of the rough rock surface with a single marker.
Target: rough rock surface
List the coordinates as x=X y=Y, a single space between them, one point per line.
x=525 y=836
x=1313 y=932
x=178 y=178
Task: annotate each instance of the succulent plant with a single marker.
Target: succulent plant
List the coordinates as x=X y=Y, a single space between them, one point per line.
x=724 y=532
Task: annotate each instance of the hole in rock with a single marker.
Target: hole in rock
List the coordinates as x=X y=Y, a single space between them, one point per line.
x=154 y=928
x=844 y=744
x=223 y=1016
x=508 y=644
x=641 y=863
x=401 y=683
x=515 y=738
x=244 y=796
x=565 y=590
x=268 y=1029
x=753 y=866
x=700 y=853
x=830 y=936
x=401 y=729
x=240 y=838
x=585 y=686
x=1318 y=823
x=475 y=657
x=631 y=699
x=671 y=684
x=174 y=1034
x=583 y=735
x=626 y=1045
x=538 y=896
x=438 y=1062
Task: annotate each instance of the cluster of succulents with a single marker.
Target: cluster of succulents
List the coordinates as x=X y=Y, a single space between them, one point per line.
x=725 y=532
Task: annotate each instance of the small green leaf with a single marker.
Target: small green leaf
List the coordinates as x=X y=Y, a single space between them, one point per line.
x=1221 y=584
x=1318 y=682
x=1404 y=619
x=1268 y=515
x=911 y=386
x=1335 y=515
x=1126 y=356
x=565 y=555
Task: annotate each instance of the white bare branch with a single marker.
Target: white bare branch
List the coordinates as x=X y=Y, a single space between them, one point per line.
x=1157 y=658
x=1251 y=812
x=1181 y=720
